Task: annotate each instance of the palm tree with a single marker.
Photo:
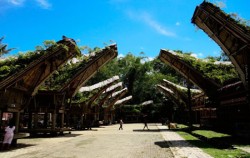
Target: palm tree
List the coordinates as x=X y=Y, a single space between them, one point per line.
x=3 y=48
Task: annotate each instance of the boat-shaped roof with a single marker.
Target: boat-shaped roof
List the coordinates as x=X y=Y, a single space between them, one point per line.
x=229 y=34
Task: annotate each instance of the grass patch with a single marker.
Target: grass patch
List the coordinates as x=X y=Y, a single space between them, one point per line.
x=209 y=149
x=210 y=134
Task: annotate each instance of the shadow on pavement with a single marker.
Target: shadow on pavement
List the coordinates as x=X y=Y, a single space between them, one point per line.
x=52 y=136
x=162 y=144
x=18 y=146
x=68 y=135
x=150 y=130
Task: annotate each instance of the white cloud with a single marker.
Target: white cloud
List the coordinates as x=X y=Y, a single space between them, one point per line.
x=194 y=55
x=8 y=4
x=44 y=4
x=150 y=58
x=120 y=56
x=147 y=59
x=177 y=23
x=16 y=2
x=199 y=55
x=147 y=18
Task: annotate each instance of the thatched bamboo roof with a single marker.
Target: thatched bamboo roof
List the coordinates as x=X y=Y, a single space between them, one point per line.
x=43 y=65
x=119 y=84
x=169 y=93
x=114 y=97
x=147 y=102
x=102 y=86
x=182 y=88
x=108 y=92
x=191 y=74
x=99 y=85
x=232 y=37
x=86 y=72
x=123 y=100
x=57 y=98
x=81 y=72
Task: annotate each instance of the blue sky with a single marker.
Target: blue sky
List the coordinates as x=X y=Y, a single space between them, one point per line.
x=135 y=25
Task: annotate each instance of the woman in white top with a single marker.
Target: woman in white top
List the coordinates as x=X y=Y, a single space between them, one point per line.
x=8 y=137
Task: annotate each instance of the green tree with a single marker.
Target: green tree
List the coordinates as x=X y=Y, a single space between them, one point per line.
x=3 y=48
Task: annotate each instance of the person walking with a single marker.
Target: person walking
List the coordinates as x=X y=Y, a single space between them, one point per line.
x=145 y=125
x=121 y=123
x=8 y=136
x=145 y=122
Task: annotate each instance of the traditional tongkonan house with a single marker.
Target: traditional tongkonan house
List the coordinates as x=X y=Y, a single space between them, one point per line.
x=53 y=100
x=181 y=94
x=105 y=97
x=89 y=110
x=208 y=86
x=117 y=106
x=19 y=86
x=109 y=113
x=234 y=39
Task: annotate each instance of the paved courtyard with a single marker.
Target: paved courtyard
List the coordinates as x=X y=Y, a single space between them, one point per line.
x=108 y=142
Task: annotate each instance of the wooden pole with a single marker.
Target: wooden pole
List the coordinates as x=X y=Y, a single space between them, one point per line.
x=35 y=120
x=30 y=120
x=189 y=105
x=53 y=120
x=62 y=120
x=17 y=119
x=45 y=123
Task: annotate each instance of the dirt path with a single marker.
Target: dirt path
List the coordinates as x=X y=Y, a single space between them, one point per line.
x=104 y=142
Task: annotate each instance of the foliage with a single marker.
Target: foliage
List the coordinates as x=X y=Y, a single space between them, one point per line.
x=3 y=47
x=138 y=76
x=233 y=17
x=218 y=72
x=68 y=71
x=84 y=96
x=12 y=65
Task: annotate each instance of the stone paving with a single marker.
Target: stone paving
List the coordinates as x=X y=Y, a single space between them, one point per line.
x=108 y=142
x=180 y=147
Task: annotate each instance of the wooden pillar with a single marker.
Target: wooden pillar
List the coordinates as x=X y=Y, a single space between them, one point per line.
x=97 y=113
x=17 y=120
x=189 y=104
x=45 y=118
x=30 y=120
x=1 y=115
x=67 y=120
x=53 y=120
x=35 y=120
x=82 y=118
x=247 y=84
x=62 y=120
x=111 y=117
x=106 y=115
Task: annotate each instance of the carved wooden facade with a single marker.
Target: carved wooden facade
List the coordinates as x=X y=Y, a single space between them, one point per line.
x=17 y=90
x=57 y=102
x=234 y=39
x=187 y=71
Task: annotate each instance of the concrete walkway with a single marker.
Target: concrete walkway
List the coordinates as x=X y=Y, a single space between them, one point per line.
x=180 y=147
x=108 y=142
